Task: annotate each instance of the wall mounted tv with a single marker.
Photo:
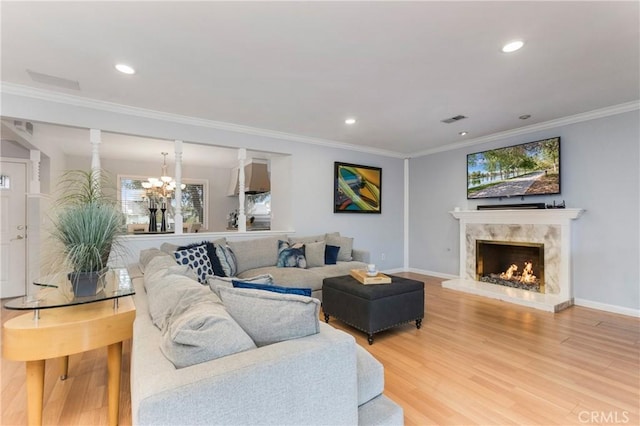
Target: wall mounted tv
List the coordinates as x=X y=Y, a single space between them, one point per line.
x=531 y=168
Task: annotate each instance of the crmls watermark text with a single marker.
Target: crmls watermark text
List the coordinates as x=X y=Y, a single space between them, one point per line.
x=600 y=417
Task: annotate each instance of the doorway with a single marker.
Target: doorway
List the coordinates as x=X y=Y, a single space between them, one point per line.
x=13 y=196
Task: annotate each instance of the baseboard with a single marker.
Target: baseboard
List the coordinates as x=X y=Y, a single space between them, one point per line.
x=608 y=308
x=432 y=273
x=578 y=302
x=393 y=271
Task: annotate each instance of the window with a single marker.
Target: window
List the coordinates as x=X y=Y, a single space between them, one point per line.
x=135 y=201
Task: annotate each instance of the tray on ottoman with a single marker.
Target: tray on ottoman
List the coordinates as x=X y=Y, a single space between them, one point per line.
x=364 y=278
x=373 y=308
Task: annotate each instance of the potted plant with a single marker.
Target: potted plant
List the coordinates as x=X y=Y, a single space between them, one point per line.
x=86 y=225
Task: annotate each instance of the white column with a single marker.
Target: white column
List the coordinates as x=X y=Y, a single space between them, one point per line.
x=406 y=215
x=177 y=214
x=34 y=183
x=95 y=137
x=242 y=218
x=35 y=217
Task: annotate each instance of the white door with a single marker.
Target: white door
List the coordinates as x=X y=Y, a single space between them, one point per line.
x=13 y=254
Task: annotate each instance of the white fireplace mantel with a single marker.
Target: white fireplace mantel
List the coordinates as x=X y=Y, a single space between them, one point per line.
x=531 y=216
x=549 y=226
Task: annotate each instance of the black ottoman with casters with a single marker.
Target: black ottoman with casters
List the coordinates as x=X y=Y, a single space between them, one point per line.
x=373 y=308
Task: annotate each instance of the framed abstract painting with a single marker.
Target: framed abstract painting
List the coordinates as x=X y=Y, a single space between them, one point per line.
x=357 y=189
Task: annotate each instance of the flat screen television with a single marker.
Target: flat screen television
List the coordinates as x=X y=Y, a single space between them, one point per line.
x=531 y=168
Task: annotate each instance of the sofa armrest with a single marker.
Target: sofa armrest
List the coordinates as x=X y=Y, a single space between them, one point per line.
x=310 y=380
x=361 y=255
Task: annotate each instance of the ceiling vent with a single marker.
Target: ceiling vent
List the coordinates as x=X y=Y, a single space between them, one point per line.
x=454 y=119
x=53 y=81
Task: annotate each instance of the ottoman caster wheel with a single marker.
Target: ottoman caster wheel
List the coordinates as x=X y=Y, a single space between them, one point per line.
x=370 y=339
x=419 y=323
x=326 y=318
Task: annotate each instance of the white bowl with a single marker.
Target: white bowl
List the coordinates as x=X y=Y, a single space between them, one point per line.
x=372 y=274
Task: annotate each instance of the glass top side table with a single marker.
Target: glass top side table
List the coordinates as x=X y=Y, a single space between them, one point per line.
x=56 y=293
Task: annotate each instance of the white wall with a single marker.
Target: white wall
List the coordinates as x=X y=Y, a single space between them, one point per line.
x=599 y=173
x=311 y=185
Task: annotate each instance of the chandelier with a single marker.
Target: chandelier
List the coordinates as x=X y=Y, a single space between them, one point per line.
x=163 y=187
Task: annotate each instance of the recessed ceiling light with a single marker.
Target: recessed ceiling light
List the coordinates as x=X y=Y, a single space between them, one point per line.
x=512 y=46
x=463 y=133
x=125 y=69
x=350 y=121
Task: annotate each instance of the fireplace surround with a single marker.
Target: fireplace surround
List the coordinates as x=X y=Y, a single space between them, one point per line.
x=550 y=229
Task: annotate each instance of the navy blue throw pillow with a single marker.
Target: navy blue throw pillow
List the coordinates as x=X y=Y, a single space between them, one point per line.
x=331 y=254
x=273 y=288
x=213 y=257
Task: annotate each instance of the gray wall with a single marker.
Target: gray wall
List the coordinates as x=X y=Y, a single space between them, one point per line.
x=382 y=234
x=599 y=173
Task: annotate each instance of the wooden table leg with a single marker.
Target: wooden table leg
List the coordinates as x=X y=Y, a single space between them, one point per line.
x=65 y=367
x=114 y=363
x=35 y=391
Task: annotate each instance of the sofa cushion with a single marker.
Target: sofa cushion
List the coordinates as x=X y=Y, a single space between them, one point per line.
x=370 y=376
x=314 y=253
x=345 y=244
x=227 y=260
x=170 y=292
x=201 y=333
x=146 y=256
x=169 y=248
x=273 y=288
x=156 y=268
x=184 y=270
x=197 y=259
x=309 y=239
x=331 y=254
x=291 y=256
x=271 y=317
x=251 y=254
x=216 y=282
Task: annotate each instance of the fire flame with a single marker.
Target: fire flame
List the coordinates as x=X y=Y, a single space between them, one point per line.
x=527 y=273
x=509 y=274
x=526 y=277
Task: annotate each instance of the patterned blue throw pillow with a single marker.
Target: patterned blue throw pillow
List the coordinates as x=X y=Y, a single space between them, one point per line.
x=227 y=260
x=197 y=259
x=291 y=255
x=211 y=252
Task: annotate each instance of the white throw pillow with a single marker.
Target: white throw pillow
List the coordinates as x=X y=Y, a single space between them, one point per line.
x=201 y=333
x=269 y=317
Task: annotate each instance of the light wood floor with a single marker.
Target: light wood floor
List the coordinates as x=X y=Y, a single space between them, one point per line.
x=474 y=361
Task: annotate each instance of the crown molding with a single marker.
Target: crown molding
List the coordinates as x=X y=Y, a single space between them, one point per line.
x=78 y=101
x=572 y=119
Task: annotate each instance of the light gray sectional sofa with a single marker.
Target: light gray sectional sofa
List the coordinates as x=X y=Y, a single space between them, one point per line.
x=247 y=357
x=259 y=256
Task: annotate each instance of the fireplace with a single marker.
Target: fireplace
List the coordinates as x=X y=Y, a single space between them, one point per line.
x=511 y=264
x=550 y=229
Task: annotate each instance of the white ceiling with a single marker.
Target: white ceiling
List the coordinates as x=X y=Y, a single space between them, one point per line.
x=303 y=67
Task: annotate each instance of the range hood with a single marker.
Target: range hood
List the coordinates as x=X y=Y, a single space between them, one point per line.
x=256 y=179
